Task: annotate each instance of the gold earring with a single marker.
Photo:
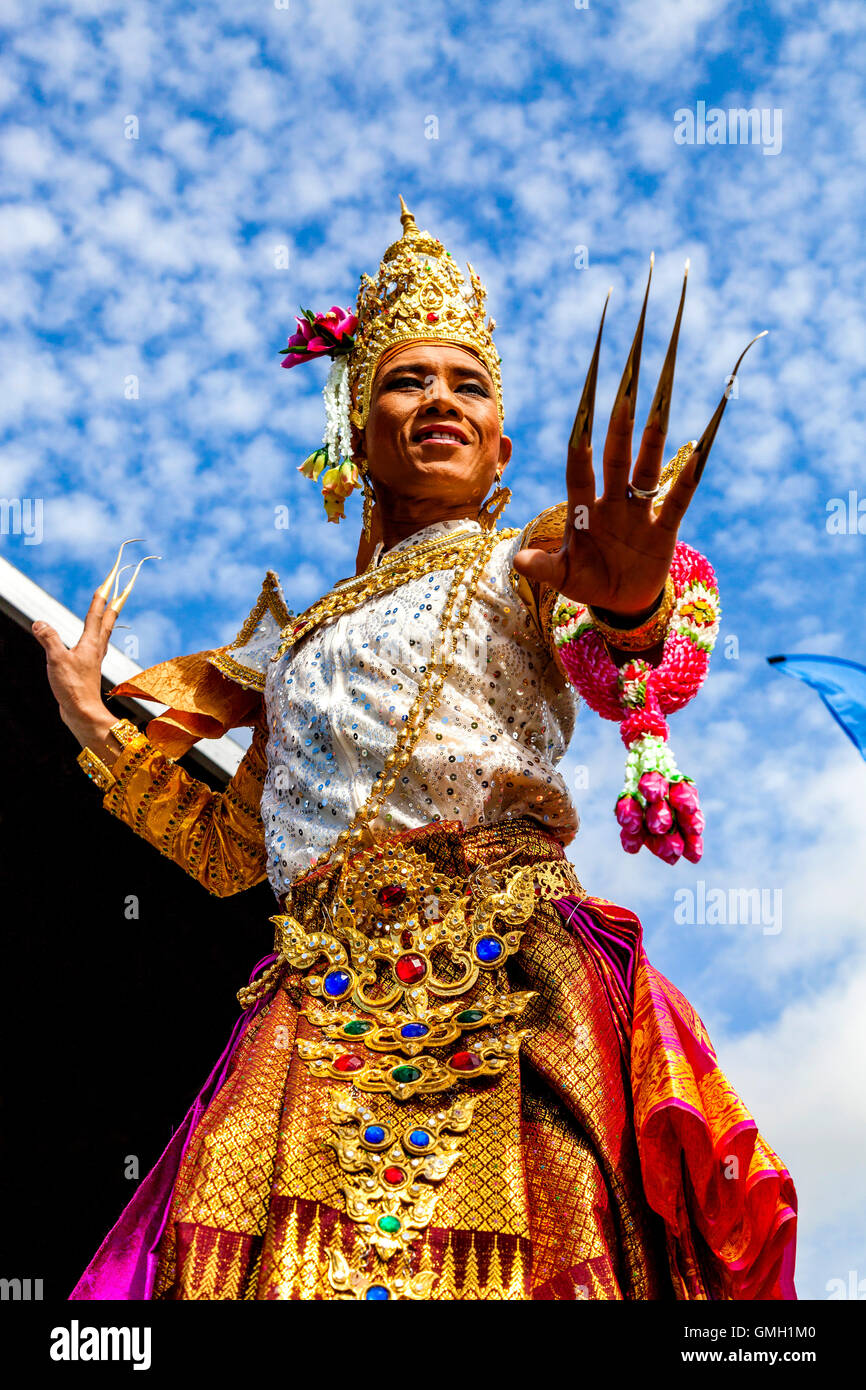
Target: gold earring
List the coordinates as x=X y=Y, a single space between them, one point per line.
x=369 y=503
x=492 y=509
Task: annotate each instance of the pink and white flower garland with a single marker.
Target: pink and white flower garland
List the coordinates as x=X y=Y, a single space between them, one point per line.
x=658 y=805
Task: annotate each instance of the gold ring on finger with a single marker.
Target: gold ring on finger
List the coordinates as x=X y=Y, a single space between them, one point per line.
x=643 y=493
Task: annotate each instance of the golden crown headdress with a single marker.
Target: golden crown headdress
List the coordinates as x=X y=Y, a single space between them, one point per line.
x=419 y=295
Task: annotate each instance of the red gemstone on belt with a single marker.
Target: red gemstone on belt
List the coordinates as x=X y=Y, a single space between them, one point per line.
x=410 y=969
x=466 y=1061
x=394 y=1176
x=392 y=895
x=349 y=1061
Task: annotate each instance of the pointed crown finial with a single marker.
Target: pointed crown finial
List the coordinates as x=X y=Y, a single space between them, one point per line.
x=408 y=221
x=419 y=295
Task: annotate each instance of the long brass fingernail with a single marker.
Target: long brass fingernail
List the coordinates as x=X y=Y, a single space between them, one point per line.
x=660 y=409
x=118 y=602
x=122 y=570
x=581 y=430
x=628 y=383
x=105 y=587
x=705 y=443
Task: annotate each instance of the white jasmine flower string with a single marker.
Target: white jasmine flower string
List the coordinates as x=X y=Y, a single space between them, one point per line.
x=338 y=432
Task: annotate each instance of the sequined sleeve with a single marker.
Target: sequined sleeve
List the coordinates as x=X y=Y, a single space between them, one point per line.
x=216 y=837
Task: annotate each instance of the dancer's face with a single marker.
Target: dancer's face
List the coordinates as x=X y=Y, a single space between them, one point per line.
x=432 y=433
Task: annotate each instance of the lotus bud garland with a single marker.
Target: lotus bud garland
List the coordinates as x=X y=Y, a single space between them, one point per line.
x=659 y=817
x=667 y=847
x=629 y=813
x=653 y=786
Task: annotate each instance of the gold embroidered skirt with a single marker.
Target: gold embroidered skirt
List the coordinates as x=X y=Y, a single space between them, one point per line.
x=471 y=1140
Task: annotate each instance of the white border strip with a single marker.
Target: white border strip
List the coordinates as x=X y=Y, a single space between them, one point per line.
x=25 y=601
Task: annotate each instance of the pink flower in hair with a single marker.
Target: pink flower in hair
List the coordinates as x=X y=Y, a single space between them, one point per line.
x=321 y=335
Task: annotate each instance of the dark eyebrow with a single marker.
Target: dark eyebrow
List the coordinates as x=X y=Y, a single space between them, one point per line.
x=423 y=368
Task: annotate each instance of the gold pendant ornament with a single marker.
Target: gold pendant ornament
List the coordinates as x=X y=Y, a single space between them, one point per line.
x=352 y=1283
x=407 y=988
x=405 y=947
x=391 y=1170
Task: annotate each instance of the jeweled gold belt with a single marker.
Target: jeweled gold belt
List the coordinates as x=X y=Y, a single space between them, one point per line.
x=404 y=973
x=388 y=969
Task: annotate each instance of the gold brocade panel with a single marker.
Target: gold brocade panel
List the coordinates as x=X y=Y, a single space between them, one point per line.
x=574 y=1047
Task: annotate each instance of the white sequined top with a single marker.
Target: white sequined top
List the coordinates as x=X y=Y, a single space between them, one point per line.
x=489 y=750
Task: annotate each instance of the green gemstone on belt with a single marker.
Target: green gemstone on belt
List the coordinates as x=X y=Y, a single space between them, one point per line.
x=356 y=1028
x=389 y=1225
x=470 y=1016
x=405 y=1074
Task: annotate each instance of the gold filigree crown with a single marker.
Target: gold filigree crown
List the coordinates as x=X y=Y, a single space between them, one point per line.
x=419 y=295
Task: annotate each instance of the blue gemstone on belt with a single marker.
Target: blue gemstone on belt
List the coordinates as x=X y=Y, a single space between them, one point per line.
x=377 y=1291
x=488 y=949
x=374 y=1134
x=337 y=982
x=414 y=1030
x=419 y=1138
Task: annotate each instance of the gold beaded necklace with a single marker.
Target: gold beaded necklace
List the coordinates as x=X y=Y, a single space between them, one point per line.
x=440 y=552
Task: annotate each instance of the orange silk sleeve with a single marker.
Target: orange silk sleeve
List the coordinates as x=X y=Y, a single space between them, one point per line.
x=216 y=837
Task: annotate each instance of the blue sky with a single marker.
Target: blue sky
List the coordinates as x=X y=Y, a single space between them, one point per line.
x=257 y=128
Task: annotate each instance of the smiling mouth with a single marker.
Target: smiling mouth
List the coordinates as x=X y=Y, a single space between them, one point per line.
x=440 y=434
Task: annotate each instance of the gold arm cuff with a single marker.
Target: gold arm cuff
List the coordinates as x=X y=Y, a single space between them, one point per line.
x=124 y=731
x=653 y=630
x=549 y=602
x=96 y=770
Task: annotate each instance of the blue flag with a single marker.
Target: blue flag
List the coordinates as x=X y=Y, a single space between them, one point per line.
x=841 y=685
